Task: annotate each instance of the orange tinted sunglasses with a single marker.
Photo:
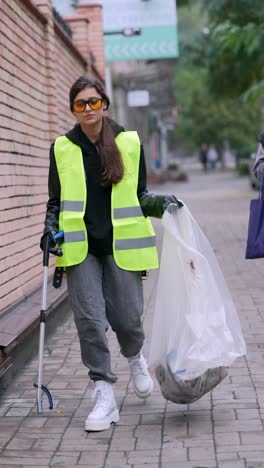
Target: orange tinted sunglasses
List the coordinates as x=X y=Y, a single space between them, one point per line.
x=94 y=103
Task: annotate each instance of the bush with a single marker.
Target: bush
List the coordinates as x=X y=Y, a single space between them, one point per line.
x=243 y=169
x=178 y=176
x=182 y=176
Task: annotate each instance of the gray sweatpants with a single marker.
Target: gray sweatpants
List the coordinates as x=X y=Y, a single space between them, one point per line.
x=100 y=293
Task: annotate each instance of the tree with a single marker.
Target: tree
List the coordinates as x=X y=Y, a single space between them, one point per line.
x=209 y=107
x=235 y=47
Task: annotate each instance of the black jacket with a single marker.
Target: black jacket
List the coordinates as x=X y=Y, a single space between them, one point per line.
x=97 y=216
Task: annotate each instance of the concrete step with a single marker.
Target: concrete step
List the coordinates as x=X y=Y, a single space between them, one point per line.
x=19 y=328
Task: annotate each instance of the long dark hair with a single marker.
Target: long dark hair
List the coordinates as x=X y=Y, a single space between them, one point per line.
x=111 y=165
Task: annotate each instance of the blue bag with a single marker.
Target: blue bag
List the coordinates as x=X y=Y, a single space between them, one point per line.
x=255 y=238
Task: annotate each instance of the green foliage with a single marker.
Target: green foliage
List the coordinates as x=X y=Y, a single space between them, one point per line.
x=205 y=120
x=235 y=51
x=219 y=75
x=190 y=25
x=254 y=93
x=234 y=59
x=243 y=169
x=181 y=3
x=238 y=11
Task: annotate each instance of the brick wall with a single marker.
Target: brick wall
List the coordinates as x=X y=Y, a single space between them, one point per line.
x=87 y=28
x=38 y=65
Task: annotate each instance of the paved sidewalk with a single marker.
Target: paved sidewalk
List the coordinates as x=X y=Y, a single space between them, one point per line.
x=222 y=430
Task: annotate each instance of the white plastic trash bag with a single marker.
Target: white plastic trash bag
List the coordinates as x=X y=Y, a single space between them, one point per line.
x=196 y=332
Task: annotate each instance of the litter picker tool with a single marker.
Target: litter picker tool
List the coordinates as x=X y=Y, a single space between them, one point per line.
x=40 y=387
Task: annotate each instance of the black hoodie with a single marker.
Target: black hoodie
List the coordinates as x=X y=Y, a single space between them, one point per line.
x=97 y=216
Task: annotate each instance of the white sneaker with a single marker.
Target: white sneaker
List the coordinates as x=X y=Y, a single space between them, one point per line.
x=142 y=382
x=105 y=411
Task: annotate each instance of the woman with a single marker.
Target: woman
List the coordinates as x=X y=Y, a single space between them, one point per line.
x=98 y=197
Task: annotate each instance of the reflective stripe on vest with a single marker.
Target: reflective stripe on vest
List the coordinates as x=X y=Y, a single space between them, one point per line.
x=76 y=236
x=69 y=163
x=141 y=243
x=128 y=212
x=71 y=205
x=133 y=234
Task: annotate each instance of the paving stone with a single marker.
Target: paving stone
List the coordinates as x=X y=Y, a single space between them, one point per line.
x=26 y=461
x=3 y=410
x=62 y=459
x=20 y=444
x=201 y=453
x=75 y=433
x=46 y=444
x=57 y=421
x=232 y=464
x=148 y=430
x=170 y=454
x=237 y=448
x=198 y=442
x=239 y=426
x=116 y=465
x=65 y=465
x=82 y=445
x=252 y=456
x=143 y=457
x=118 y=457
x=17 y=411
x=36 y=422
x=227 y=438
x=26 y=453
x=48 y=432
x=199 y=428
x=255 y=465
x=144 y=466
x=227 y=457
x=129 y=420
x=252 y=438
x=7 y=432
x=152 y=419
x=92 y=458
x=175 y=430
x=123 y=444
x=247 y=414
x=59 y=465
x=148 y=443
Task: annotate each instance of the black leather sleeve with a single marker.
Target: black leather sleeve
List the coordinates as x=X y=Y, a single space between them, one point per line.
x=151 y=204
x=53 y=206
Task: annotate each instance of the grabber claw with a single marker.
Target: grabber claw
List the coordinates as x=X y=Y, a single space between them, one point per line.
x=40 y=403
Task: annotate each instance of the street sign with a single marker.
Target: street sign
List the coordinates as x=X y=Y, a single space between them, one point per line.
x=138 y=98
x=158 y=25
x=153 y=43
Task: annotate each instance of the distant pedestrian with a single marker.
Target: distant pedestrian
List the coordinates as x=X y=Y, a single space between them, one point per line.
x=98 y=197
x=212 y=157
x=203 y=156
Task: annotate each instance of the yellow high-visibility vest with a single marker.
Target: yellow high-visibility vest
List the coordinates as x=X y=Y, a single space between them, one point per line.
x=134 y=240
